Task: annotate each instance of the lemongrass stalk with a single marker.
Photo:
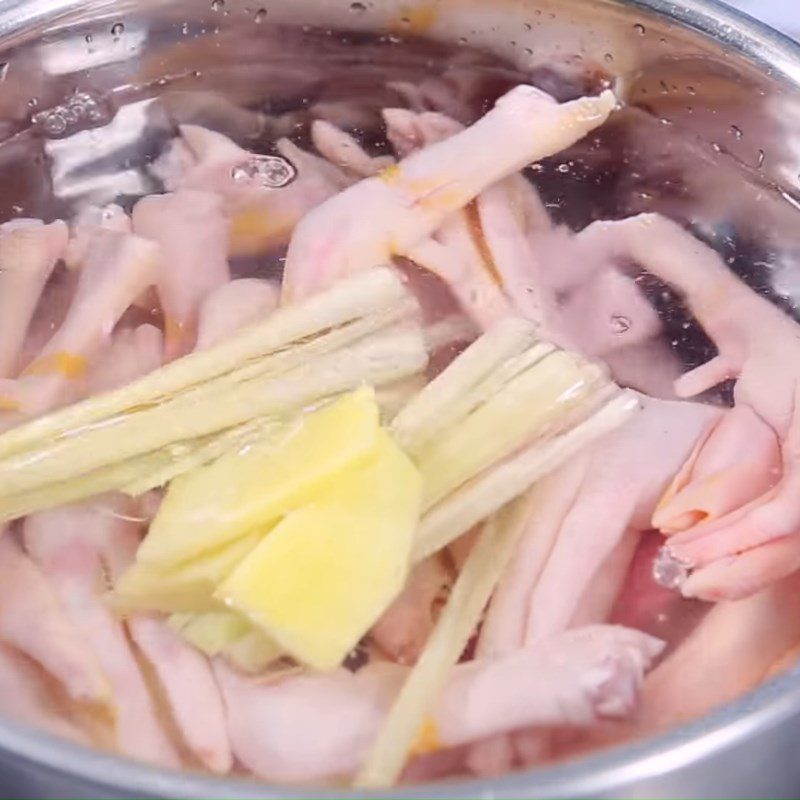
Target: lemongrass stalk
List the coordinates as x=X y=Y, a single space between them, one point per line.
x=359 y=296
x=386 y=357
x=389 y=398
x=283 y=361
x=471 y=593
x=497 y=380
x=481 y=394
x=138 y=475
x=530 y=404
x=424 y=416
x=393 y=397
x=204 y=452
x=14 y=506
x=490 y=491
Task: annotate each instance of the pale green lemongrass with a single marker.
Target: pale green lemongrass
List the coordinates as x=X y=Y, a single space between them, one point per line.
x=14 y=506
x=472 y=591
x=530 y=404
x=481 y=497
x=430 y=411
x=393 y=397
x=192 y=455
x=153 y=470
x=385 y=357
x=372 y=292
x=135 y=476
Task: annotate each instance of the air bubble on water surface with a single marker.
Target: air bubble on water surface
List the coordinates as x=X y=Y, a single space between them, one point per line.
x=79 y=111
x=620 y=324
x=117 y=29
x=640 y=29
x=608 y=58
x=269 y=172
x=185 y=29
x=737 y=132
x=668 y=570
x=260 y=16
x=358 y=8
x=217 y=5
x=760 y=159
x=52 y=123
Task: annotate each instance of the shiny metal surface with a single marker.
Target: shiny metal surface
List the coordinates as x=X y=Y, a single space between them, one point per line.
x=712 y=136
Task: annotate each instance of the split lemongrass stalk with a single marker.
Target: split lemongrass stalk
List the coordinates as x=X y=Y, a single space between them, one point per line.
x=393 y=397
x=494 y=382
x=504 y=392
x=383 y=352
x=153 y=470
x=450 y=395
x=545 y=392
x=468 y=599
x=14 y=506
x=490 y=491
x=382 y=358
x=136 y=476
x=376 y=294
x=506 y=412
x=199 y=452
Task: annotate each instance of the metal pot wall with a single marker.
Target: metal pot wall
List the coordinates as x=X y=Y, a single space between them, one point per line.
x=713 y=100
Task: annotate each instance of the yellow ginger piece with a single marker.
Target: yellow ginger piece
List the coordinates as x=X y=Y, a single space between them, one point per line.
x=249 y=489
x=187 y=588
x=319 y=580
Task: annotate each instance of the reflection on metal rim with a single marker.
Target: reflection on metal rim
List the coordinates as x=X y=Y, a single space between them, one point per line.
x=765 y=46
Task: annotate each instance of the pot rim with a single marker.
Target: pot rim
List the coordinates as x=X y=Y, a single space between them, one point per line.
x=595 y=775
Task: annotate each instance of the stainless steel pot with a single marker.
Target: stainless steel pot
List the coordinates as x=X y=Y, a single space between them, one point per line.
x=716 y=97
